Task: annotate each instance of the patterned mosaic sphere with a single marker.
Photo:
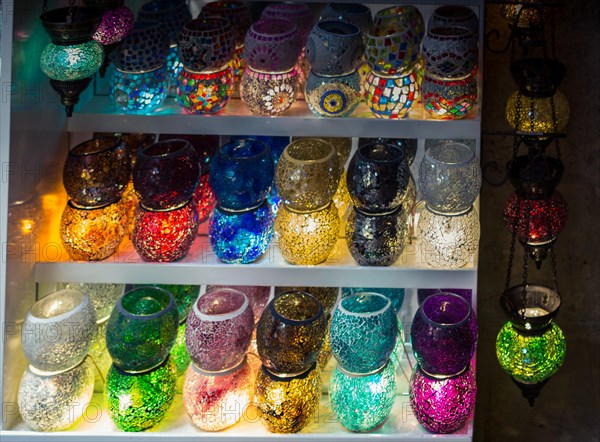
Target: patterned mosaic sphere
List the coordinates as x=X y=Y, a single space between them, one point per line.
x=268 y=93
x=143 y=50
x=73 y=62
x=138 y=93
x=335 y=96
x=204 y=92
x=390 y=97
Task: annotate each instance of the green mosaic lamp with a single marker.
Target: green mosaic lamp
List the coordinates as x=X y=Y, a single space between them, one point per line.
x=530 y=347
x=73 y=56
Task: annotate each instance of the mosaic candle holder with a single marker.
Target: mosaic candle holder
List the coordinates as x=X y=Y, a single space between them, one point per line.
x=268 y=93
x=308 y=174
x=165 y=235
x=94 y=233
x=332 y=96
x=170 y=14
x=166 y=174
x=102 y=296
x=142 y=328
x=402 y=16
x=97 y=171
x=376 y=240
x=215 y=402
x=241 y=174
x=367 y=318
x=454 y=16
x=72 y=62
x=448 y=99
x=444 y=334
x=391 y=96
x=236 y=12
x=66 y=320
x=272 y=45
x=143 y=50
x=258 y=296
x=530 y=347
x=450 y=177
x=377 y=178
x=139 y=92
x=219 y=329
x=287 y=405
x=136 y=402
x=362 y=403
x=54 y=402
x=205 y=92
x=206 y=43
x=355 y=13
x=327 y=296
x=334 y=48
x=307 y=238
x=395 y=295
x=298 y=13
x=450 y=52
x=442 y=405
x=243 y=236
x=115 y=25
x=290 y=333
x=392 y=46
x=448 y=241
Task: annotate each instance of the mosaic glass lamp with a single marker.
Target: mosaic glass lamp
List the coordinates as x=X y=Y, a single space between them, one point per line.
x=117 y=22
x=103 y=296
x=142 y=329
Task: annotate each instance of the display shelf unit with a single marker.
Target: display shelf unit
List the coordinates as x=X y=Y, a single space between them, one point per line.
x=32 y=199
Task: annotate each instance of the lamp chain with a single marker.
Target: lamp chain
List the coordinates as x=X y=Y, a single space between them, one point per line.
x=554 y=269
x=44 y=7
x=511 y=254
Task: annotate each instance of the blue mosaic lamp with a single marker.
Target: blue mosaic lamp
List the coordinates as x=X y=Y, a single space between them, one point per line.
x=73 y=57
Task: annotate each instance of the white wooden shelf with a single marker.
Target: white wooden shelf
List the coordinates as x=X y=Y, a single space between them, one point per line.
x=99 y=115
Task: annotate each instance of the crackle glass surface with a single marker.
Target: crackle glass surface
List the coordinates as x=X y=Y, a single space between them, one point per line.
x=450 y=177
x=217 y=402
x=448 y=241
x=444 y=334
x=219 y=329
x=142 y=328
x=55 y=402
x=442 y=405
x=137 y=402
x=530 y=358
x=72 y=62
x=287 y=405
x=362 y=403
x=58 y=329
x=290 y=333
x=103 y=296
x=364 y=329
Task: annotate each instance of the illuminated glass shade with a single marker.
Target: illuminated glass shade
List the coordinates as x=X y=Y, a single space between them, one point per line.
x=530 y=358
x=241 y=237
x=205 y=92
x=268 y=93
x=103 y=296
x=137 y=402
x=376 y=240
x=138 y=92
x=367 y=318
x=395 y=295
x=290 y=333
x=307 y=237
x=536 y=115
x=219 y=329
x=450 y=177
x=165 y=235
x=205 y=198
x=362 y=403
x=448 y=241
x=115 y=25
x=92 y=234
x=442 y=405
x=215 y=402
x=332 y=96
x=308 y=174
x=547 y=217
x=448 y=99
x=327 y=296
x=73 y=62
x=55 y=402
x=287 y=405
x=142 y=329
x=444 y=334
x=57 y=331
x=391 y=97
x=97 y=171
x=524 y=14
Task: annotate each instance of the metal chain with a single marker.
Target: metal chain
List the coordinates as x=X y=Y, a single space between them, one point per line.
x=44 y=7
x=526 y=256
x=555 y=127
x=511 y=254
x=554 y=269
